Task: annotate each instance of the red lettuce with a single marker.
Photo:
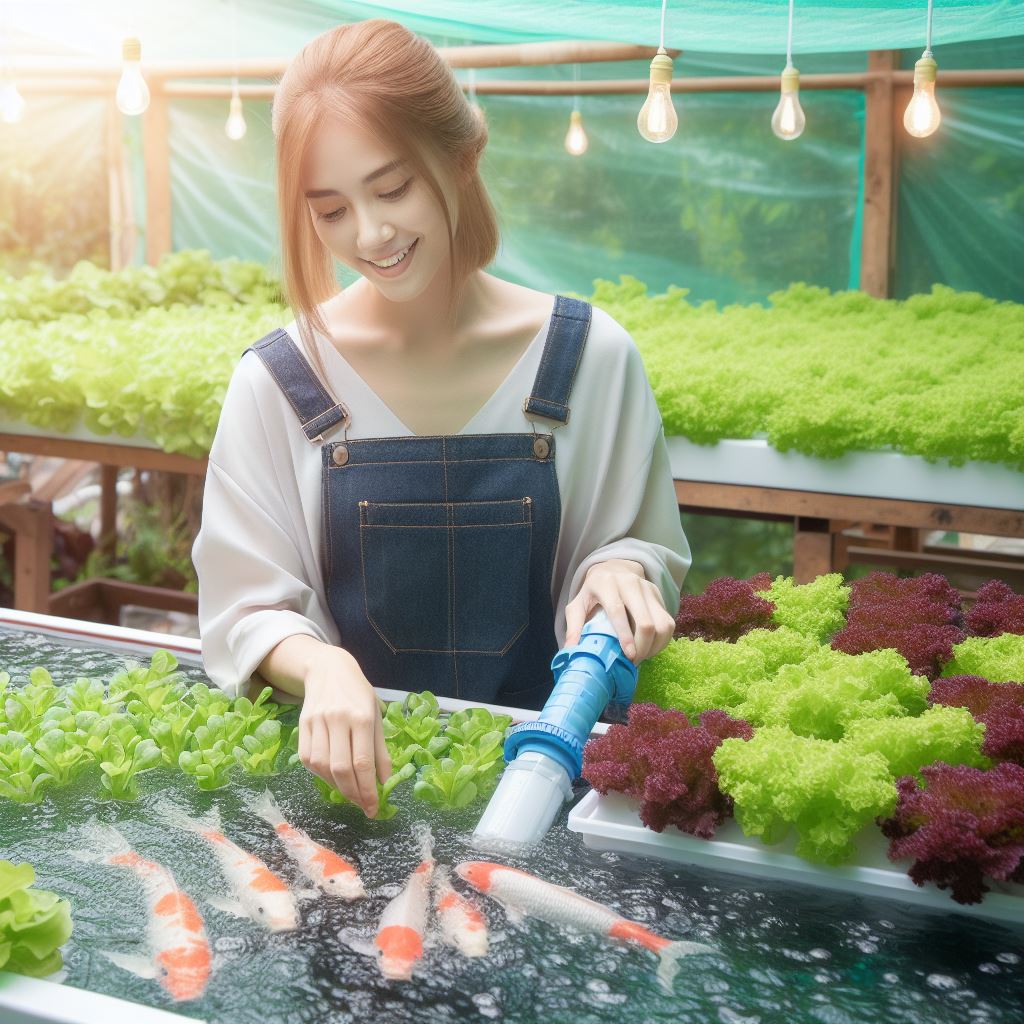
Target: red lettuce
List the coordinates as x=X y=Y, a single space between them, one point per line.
x=997 y=610
x=884 y=587
x=964 y=826
x=925 y=647
x=726 y=610
x=664 y=762
x=1000 y=706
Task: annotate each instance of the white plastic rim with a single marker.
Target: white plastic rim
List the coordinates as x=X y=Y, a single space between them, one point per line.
x=753 y=462
x=612 y=823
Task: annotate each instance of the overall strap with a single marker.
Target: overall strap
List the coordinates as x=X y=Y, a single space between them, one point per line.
x=563 y=348
x=316 y=408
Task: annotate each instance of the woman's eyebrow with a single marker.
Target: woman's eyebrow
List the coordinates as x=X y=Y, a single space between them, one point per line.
x=372 y=176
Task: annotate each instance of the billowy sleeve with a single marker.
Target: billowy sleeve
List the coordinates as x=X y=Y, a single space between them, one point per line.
x=623 y=502
x=253 y=555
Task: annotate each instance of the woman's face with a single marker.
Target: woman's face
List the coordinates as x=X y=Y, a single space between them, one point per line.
x=366 y=205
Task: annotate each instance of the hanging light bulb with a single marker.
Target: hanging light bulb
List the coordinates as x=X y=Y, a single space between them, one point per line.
x=922 y=115
x=576 y=138
x=788 y=120
x=132 y=91
x=12 y=103
x=235 y=126
x=657 y=120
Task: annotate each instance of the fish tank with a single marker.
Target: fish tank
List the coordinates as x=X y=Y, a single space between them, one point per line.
x=765 y=947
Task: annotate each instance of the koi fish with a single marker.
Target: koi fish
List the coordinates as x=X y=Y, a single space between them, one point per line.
x=179 y=957
x=462 y=924
x=323 y=867
x=258 y=893
x=399 y=941
x=522 y=893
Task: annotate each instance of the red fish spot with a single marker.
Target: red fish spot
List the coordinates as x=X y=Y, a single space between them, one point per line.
x=177 y=904
x=284 y=829
x=630 y=931
x=264 y=880
x=332 y=864
x=400 y=942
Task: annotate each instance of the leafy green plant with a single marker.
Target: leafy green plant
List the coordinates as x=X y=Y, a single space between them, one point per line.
x=34 y=923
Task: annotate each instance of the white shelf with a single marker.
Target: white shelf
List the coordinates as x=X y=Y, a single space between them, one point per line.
x=613 y=823
x=755 y=463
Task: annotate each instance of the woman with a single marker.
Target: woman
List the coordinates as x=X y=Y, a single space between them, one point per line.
x=387 y=502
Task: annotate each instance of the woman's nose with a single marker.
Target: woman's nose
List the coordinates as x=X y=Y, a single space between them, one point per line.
x=373 y=232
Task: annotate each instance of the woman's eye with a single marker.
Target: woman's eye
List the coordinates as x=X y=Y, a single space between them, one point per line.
x=334 y=215
x=399 y=192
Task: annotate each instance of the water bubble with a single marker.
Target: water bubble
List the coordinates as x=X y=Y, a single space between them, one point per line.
x=943 y=982
x=728 y=1016
x=1008 y=958
x=866 y=947
x=820 y=954
x=989 y=968
x=890 y=978
x=486 y=1004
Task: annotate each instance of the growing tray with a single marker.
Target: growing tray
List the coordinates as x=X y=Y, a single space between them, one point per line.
x=612 y=823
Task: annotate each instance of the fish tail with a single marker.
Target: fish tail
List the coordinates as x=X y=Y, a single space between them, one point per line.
x=174 y=815
x=102 y=842
x=670 y=955
x=421 y=832
x=265 y=806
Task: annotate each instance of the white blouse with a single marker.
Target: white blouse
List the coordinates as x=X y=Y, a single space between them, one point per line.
x=257 y=554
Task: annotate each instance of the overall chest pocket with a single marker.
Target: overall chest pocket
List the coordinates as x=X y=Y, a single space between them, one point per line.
x=450 y=577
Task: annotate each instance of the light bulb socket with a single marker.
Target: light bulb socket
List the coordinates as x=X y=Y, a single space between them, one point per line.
x=235 y=108
x=575 y=118
x=661 y=68
x=790 y=79
x=925 y=70
x=131 y=49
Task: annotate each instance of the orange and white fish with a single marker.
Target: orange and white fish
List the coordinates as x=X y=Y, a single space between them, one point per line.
x=323 y=867
x=258 y=893
x=180 y=958
x=522 y=893
x=399 y=941
x=462 y=923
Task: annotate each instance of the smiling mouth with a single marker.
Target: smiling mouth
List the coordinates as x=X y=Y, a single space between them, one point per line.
x=393 y=260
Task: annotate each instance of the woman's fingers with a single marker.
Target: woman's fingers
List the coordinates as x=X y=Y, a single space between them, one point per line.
x=380 y=750
x=364 y=776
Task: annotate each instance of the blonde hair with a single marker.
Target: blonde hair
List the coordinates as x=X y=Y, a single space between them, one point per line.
x=392 y=84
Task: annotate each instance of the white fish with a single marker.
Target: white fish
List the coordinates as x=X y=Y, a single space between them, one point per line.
x=462 y=924
x=179 y=950
x=399 y=940
x=326 y=869
x=259 y=893
x=522 y=893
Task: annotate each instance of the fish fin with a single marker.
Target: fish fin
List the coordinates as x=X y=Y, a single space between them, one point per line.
x=265 y=806
x=514 y=914
x=308 y=894
x=670 y=956
x=176 y=816
x=142 y=966
x=359 y=943
x=101 y=842
x=229 y=906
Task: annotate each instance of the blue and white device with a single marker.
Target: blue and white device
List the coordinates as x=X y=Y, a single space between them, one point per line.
x=545 y=755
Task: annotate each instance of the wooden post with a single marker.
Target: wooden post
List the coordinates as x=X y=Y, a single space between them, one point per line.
x=812 y=549
x=157 y=156
x=31 y=522
x=879 y=177
x=108 y=510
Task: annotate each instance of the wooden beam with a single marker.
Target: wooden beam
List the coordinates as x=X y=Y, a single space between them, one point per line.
x=876 y=251
x=777 y=501
x=107 y=453
x=156 y=154
x=31 y=523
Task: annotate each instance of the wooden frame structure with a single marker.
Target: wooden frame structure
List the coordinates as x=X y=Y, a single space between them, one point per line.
x=818 y=518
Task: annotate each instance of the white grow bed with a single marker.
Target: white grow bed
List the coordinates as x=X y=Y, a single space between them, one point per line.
x=613 y=823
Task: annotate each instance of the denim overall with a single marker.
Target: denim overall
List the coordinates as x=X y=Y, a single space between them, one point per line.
x=438 y=551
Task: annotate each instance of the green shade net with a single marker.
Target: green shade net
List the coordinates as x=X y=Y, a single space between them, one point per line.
x=724 y=209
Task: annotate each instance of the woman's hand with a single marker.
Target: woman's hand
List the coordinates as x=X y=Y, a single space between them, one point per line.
x=340 y=734
x=621 y=589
